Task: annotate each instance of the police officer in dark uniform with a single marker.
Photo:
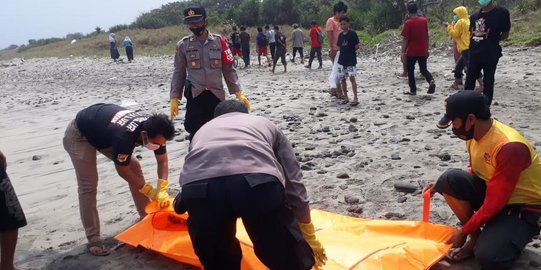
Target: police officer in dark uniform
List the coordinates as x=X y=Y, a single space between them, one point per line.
x=201 y=59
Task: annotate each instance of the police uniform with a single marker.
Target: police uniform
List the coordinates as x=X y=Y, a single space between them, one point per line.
x=199 y=67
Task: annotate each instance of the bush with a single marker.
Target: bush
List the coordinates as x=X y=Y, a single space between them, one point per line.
x=118 y=28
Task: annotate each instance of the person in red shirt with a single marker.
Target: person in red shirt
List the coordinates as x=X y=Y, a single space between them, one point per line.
x=315 y=33
x=415 y=48
x=498 y=201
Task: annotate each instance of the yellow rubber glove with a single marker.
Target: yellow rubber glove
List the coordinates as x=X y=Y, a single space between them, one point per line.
x=243 y=99
x=309 y=234
x=174 y=107
x=149 y=191
x=161 y=195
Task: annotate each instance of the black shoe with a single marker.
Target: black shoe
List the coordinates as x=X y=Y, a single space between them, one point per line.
x=320 y=67
x=432 y=87
x=307 y=66
x=444 y=122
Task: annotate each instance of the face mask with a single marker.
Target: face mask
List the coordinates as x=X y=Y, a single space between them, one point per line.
x=462 y=133
x=455 y=18
x=484 y=3
x=198 y=31
x=147 y=144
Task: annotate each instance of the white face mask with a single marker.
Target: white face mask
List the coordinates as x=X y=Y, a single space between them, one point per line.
x=147 y=144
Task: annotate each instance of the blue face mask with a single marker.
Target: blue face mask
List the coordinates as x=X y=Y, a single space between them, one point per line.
x=455 y=19
x=484 y=3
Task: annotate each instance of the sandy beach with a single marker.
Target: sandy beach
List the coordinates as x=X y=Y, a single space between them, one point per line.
x=352 y=157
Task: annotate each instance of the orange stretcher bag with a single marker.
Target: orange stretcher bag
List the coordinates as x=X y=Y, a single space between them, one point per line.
x=350 y=243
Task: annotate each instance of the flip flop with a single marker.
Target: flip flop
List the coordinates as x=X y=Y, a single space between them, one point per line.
x=97 y=249
x=456 y=255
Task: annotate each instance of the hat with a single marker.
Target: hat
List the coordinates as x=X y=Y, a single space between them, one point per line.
x=467 y=102
x=313 y=22
x=194 y=14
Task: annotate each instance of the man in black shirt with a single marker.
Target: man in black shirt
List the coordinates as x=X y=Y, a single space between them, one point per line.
x=245 y=45
x=280 y=49
x=115 y=131
x=348 y=41
x=488 y=27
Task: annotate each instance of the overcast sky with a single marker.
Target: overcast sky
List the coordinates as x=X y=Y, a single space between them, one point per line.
x=21 y=20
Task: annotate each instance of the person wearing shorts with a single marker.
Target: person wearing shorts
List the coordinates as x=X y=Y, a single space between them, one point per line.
x=498 y=201
x=262 y=42
x=11 y=217
x=234 y=40
x=348 y=41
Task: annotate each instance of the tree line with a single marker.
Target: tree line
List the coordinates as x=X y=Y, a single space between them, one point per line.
x=370 y=16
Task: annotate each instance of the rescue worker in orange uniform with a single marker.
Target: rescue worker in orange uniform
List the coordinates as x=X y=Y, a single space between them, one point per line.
x=498 y=201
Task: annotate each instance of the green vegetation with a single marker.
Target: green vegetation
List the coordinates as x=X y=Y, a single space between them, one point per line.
x=157 y=31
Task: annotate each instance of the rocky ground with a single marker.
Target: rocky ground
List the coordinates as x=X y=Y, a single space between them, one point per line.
x=368 y=161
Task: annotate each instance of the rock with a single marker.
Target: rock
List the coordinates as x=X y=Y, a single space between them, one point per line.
x=305 y=167
x=428 y=147
x=321 y=172
x=343 y=187
x=379 y=123
x=444 y=156
x=357 y=209
x=36 y=157
x=326 y=129
x=393 y=216
x=405 y=140
x=406 y=187
x=401 y=199
x=351 y=200
x=353 y=119
x=342 y=175
x=385 y=116
x=310 y=148
x=352 y=128
x=327 y=187
x=410 y=117
x=395 y=157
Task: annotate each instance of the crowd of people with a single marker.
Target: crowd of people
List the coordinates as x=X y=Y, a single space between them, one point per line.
x=242 y=166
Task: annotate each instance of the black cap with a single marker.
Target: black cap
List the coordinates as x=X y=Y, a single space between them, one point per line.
x=313 y=22
x=194 y=14
x=467 y=102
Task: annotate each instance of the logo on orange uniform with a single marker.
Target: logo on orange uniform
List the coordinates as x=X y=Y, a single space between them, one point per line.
x=487 y=157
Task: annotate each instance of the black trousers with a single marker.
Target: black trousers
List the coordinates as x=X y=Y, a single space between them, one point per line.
x=272 y=47
x=505 y=235
x=313 y=53
x=462 y=63
x=280 y=54
x=129 y=53
x=259 y=200
x=300 y=50
x=410 y=63
x=199 y=110
x=246 y=55
x=489 y=70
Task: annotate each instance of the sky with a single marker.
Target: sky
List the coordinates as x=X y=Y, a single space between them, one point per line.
x=21 y=20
